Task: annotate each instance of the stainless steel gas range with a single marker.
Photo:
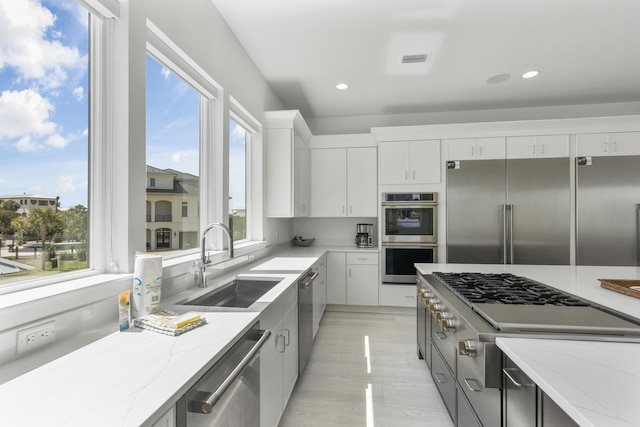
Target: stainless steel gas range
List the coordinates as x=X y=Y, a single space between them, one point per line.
x=461 y=314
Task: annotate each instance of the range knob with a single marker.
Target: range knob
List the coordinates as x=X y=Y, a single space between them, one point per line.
x=466 y=348
x=448 y=324
x=435 y=308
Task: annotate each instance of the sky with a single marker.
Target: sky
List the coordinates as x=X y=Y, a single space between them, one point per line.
x=43 y=99
x=44 y=107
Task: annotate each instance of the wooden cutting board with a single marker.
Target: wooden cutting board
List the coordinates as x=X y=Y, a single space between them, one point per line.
x=627 y=287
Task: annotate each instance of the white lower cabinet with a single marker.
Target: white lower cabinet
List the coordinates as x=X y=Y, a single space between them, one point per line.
x=336 y=278
x=279 y=356
x=319 y=292
x=362 y=278
x=352 y=278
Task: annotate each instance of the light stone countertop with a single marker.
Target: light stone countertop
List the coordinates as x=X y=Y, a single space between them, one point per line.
x=132 y=378
x=595 y=383
x=126 y=378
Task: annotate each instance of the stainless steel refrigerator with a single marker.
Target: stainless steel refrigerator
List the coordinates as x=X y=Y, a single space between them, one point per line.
x=608 y=210
x=514 y=211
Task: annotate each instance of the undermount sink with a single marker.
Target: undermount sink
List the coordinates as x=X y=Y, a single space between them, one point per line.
x=238 y=293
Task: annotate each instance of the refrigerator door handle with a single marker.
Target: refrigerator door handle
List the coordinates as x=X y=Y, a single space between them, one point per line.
x=511 y=257
x=504 y=208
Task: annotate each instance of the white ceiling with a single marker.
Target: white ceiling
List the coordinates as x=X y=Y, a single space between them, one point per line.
x=588 y=52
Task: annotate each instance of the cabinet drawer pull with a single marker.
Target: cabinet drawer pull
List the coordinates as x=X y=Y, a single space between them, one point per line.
x=287 y=340
x=473 y=385
x=440 y=378
x=512 y=373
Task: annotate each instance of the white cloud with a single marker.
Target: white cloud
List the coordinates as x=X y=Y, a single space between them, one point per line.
x=67 y=184
x=23 y=113
x=78 y=93
x=57 y=141
x=185 y=156
x=238 y=132
x=26 y=145
x=165 y=72
x=23 y=26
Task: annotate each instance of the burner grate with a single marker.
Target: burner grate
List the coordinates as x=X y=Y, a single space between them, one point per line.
x=505 y=288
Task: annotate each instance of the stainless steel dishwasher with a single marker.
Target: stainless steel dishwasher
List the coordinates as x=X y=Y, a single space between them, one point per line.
x=305 y=318
x=229 y=393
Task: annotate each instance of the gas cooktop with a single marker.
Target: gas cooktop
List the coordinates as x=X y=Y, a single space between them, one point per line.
x=514 y=303
x=478 y=288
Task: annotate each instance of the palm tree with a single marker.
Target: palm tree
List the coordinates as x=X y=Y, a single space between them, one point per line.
x=20 y=225
x=44 y=218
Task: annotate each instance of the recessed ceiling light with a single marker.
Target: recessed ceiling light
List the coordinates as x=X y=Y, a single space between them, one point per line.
x=531 y=74
x=342 y=86
x=498 y=78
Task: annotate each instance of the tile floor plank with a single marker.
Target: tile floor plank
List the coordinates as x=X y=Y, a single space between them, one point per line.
x=332 y=389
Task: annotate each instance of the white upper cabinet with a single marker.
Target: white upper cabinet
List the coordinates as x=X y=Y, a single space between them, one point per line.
x=343 y=182
x=362 y=188
x=476 y=148
x=543 y=146
x=608 y=144
x=287 y=164
x=409 y=162
x=329 y=182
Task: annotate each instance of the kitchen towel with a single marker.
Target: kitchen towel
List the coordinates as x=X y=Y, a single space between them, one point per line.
x=147 y=284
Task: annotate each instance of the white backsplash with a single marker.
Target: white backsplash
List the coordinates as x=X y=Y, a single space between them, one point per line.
x=332 y=231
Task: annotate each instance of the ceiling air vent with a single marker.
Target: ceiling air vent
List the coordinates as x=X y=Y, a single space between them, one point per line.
x=412 y=59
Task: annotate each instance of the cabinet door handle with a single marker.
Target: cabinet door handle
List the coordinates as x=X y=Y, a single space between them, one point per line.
x=614 y=146
x=605 y=146
x=473 y=151
x=349 y=272
x=473 y=385
x=406 y=175
x=287 y=340
x=534 y=149
x=541 y=148
x=414 y=175
x=350 y=209
x=342 y=208
x=480 y=151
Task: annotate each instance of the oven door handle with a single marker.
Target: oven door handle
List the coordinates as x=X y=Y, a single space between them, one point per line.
x=207 y=406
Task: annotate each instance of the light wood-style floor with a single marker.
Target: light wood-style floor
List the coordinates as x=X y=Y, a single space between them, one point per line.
x=332 y=391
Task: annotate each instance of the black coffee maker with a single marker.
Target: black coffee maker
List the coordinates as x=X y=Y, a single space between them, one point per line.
x=364 y=235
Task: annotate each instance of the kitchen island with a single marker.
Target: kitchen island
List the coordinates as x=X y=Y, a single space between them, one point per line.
x=590 y=376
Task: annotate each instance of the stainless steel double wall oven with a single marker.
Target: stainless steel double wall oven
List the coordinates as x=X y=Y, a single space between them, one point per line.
x=409 y=234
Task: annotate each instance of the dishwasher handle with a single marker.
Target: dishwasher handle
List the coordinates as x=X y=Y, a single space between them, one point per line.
x=306 y=281
x=207 y=406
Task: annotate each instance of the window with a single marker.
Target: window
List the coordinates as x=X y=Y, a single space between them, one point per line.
x=44 y=62
x=173 y=156
x=185 y=212
x=238 y=136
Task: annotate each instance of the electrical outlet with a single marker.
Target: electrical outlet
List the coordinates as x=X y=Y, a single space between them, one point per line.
x=36 y=336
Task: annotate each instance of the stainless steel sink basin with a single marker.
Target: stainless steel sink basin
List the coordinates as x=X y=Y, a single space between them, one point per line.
x=238 y=293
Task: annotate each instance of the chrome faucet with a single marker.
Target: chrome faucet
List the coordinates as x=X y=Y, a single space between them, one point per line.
x=204 y=261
